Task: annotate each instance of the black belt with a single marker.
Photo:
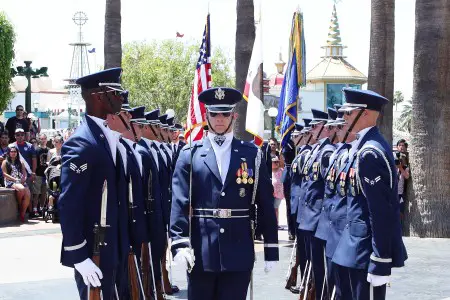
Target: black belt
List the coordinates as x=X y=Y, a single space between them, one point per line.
x=221 y=213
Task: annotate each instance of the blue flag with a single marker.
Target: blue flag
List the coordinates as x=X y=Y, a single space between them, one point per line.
x=287 y=108
x=294 y=78
x=92 y=50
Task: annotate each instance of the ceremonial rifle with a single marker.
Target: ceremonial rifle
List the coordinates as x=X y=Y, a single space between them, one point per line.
x=291 y=276
x=149 y=207
x=94 y=293
x=134 y=279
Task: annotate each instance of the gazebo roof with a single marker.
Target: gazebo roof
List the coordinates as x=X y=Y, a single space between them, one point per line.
x=335 y=69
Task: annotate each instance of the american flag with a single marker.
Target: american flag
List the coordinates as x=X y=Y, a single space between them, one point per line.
x=202 y=81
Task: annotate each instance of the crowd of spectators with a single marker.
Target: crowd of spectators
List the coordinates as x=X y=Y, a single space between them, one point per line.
x=25 y=154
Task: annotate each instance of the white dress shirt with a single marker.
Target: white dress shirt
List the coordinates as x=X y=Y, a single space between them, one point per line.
x=121 y=148
x=108 y=134
x=152 y=150
x=223 y=153
x=135 y=152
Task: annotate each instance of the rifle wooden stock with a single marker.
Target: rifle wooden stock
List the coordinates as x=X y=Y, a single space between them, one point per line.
x=133 y=277
x=292 y=278
x=94 y=292
x=145 y=266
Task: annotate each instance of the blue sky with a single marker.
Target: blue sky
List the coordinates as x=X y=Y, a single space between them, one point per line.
x=45 y=28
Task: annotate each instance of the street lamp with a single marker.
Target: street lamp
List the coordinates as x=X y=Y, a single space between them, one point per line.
x=272 y=112
x=29 y=73
x=69 y=106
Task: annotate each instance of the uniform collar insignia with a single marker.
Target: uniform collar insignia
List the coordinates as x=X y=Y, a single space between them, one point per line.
x=219 y=139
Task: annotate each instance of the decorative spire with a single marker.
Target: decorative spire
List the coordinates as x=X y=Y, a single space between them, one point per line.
x=334 y=47
x=334 y=34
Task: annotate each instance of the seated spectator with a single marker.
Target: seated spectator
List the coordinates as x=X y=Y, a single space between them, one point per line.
x=277 y=184
x=15 y=177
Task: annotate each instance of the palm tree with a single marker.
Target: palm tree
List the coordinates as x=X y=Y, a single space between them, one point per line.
x=398 y=98
x=381 y=59
x=430 y=156
x=245 y=36
x=406 y=117
x=113 y=36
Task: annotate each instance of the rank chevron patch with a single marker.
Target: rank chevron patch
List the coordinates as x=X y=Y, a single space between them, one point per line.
x=76 y=169
x=372 y=182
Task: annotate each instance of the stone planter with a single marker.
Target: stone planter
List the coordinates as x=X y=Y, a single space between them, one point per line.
x=8 y=206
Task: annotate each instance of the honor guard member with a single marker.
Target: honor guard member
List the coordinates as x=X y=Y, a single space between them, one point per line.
x=312 y=204
x=214 y=184
x=323 y=224
x=371 y=243
x=337 y=215
x=291 y=283
x=176 y=144
x=165 y=170
x=288 y=153
x=88 y=205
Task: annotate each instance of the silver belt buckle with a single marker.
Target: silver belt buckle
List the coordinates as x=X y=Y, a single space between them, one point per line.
x=222 y=213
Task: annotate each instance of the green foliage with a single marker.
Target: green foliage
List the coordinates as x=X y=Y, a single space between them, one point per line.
x=406 y=117
x=398 y=98
x=7 y=39
x=159 y=74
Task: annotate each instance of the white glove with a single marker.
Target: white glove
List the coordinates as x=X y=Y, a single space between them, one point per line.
x=185 y=256
x=90 y=272
x=376 y=280
x=268 y=265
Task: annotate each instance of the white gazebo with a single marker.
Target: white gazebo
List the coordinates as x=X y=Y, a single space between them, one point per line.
x=62 y=120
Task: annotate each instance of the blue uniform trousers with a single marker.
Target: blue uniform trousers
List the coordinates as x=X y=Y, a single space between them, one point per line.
x=361 y=289
x=108 y=285
x=301 y=251
x=341 y=281
x=318 y=263
x=218 y=285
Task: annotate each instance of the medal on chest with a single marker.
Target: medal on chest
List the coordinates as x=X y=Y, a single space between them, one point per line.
x=342 y=183
x=315 y=171
x=352 y=182
x=331 y=177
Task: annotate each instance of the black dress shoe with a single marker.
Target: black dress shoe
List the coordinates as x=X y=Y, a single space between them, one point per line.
x=175 y=289
x=295 y=289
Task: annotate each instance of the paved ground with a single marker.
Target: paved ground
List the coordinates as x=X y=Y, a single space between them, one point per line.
x=30 y=268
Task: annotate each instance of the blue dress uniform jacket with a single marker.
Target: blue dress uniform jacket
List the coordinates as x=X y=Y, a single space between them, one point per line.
x=157 y=232
x=139 y=229
x=323 y=227
x=297 y=192
x=164 y=180
x=314 y=184
x=337 y=213
x=87 y=162
x=372 y=238
x=221 y=244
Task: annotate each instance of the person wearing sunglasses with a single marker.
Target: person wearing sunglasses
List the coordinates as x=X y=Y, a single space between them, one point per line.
x=89 y=187
x=211 y=220
x=371 y=243
x=312 y=202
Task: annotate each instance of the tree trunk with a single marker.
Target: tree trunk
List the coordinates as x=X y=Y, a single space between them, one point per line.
x=430 y=161
x=381 y=59
x=245 y=36
x=113 y=36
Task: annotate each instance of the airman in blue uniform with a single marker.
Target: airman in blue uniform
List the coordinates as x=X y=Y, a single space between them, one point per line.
x=312 y=203
x=336 y=211
x=89 y=188
x=152 y=195
x=211 y=224
x=371 y=243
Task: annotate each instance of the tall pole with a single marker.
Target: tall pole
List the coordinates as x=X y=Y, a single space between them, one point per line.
x=272 y=130
x=28 y=89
